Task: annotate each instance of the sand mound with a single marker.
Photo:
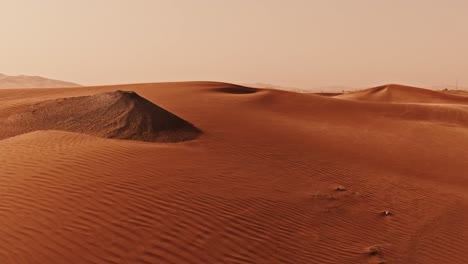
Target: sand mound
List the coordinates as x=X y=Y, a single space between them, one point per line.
x=393 y=93
x=119 y=114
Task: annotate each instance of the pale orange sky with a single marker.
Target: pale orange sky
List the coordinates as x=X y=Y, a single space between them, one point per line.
x=300 y=43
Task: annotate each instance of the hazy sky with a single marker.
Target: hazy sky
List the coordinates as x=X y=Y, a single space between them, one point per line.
x=301 y=43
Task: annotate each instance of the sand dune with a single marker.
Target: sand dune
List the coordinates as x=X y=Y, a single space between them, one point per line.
x=119 y=114
x=277 y=177
x=23 y=81
x=404 y=94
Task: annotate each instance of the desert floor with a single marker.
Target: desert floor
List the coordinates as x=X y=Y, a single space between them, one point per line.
x=274 y=177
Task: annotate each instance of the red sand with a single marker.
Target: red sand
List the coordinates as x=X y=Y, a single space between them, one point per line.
x=260 y=185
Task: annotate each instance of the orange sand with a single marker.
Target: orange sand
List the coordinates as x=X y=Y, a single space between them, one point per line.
x=276 y=177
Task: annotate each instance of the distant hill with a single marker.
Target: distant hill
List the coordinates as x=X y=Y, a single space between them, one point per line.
x=23 y=81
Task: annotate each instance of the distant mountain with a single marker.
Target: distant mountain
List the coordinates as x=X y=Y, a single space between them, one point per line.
x=23 y=81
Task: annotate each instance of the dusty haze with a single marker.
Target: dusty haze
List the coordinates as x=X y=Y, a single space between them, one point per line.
x=298 y=43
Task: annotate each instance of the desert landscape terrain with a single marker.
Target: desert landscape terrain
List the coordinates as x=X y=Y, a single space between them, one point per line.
x=24 y=81
x=208 y=172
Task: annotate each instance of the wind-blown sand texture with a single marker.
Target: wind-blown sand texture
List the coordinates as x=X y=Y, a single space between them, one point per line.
x=118 y=114
x=275 y=177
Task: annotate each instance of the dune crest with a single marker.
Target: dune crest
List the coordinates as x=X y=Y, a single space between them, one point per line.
x=118 y=115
